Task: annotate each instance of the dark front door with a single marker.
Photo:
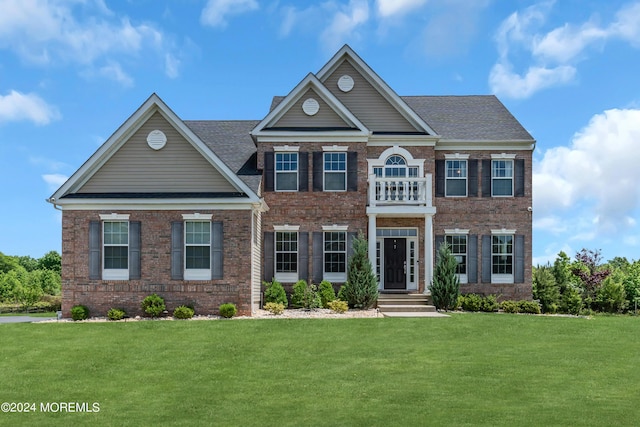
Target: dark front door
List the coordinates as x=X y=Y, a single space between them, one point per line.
x=395 y=258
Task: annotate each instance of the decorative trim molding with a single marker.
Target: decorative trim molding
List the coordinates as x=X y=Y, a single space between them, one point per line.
x=335 y=148
x=503 y=156
x=114 y=217
x=455 y=231
x=286 y=227
x=456 y=156
x=280 y=148
x=197 y=216
x=335 y=227
x=503 y=232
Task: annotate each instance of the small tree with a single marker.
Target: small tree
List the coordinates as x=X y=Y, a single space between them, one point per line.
x=445 y=287
x=545 y=289
x=361 y=288
x=274 y=292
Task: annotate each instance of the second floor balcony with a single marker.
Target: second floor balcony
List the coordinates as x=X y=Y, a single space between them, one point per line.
x=400 y=191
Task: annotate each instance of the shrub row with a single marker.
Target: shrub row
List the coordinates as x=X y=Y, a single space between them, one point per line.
x=489 y=303
x=303 y=295
x=154 y=306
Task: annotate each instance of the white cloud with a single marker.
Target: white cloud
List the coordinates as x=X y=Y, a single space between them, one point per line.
x=215 y=13
x=554 y=54
x=389 y=8
x=48 y=32
x=114 y=71
x=598 y=172
x=344 y=24
x=18 y=106
x=54 y=180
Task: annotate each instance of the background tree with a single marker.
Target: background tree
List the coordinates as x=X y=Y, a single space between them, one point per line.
x=51 y=261
x=445 y=287
x=545 y=289
x=361 y=288
x=590 y=272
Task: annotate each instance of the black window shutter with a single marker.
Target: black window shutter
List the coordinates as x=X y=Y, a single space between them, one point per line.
x=217 y=252
x=486 y=259
x=269 y=250
x=95 y=263
x=472 y=178
x=519 y=177
x=518 y=276
x=318 y=168
x=486 y=179
x=439 y=241
x=472 y=259
x=303 y=171
x=440 y=172
x=318 y=257
x=177 y=250
x=352 y=171
x=134 y=250
x=269 y=171
x=303 y=256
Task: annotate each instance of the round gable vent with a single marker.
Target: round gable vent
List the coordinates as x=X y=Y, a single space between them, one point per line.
x=156 y=139
x=345 y=83
x=310 y=107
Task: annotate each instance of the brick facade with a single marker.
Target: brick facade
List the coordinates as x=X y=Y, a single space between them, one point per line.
x=205 y=296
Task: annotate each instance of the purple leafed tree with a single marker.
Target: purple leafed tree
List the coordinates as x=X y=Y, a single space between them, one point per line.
x=588 y=269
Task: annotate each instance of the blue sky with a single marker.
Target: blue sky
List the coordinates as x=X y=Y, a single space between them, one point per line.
x=72 y=71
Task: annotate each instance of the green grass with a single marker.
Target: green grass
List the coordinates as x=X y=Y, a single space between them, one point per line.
x=470 y=369
x=44 y=314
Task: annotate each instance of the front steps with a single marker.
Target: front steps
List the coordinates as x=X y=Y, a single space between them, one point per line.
x=407 y=305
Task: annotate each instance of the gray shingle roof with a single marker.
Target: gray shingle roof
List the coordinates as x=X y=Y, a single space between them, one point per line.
x=477 y=117
x=231 y=141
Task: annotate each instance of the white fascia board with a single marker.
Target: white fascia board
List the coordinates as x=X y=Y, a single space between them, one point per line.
x=297 y=137
x=401 y=211
x=483 y=145
x=131 y=125
x=154 y=204
x=309 y=82
x=373 y=78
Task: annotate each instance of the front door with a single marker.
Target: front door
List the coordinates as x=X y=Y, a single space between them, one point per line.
x=395 y=263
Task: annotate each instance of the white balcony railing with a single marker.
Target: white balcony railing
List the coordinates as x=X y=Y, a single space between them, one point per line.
x=405 y=191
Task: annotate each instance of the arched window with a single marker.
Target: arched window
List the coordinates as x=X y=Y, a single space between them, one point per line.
x=396 y=166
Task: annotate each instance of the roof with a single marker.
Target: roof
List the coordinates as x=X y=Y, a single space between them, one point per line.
x=467 y=118
x=231 y=141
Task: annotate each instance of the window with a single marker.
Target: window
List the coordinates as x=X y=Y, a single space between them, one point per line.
x=286 y=172
x=197 y=240
x=335 y=171
x=456 y=178
x=335 y=256
x=502 y=258
x=287 y=256
x=502 y=177
x=458 y=246
x=116 y=250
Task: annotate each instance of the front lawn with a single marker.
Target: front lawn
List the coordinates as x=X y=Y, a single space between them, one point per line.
x=470 y=369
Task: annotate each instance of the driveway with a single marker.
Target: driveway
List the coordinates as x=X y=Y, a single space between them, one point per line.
x=23 y=319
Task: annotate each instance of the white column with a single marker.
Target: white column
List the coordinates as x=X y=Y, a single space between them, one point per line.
x=428 y=251
x=372 y=241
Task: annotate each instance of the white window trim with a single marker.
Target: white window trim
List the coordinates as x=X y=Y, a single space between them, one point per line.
x=115 y=273
x=324 y=172
x=285 y=150
x=456 y=156
x=411 y=162
x=466 y=178
x=462 y=278
x=503 y=278
x=336 y=148
x=335 y=277
x=196 y=273
x=285 y=277
x=507 y=157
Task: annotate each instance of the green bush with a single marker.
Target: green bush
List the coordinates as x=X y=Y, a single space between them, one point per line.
x=489 y=304
x=531 y=307
x=276 y=308
x=153 y=305
x=305 y=296
x=545 y=289
x=228 y=310
x=338 y=306
x=327 y=294
x=79 y=312
x=571 y=301
x=274 y=292
x=116 y=314
x=611 y=297
x=445 y=287
x=510 y=307
x=183 y=312
x=471 y=302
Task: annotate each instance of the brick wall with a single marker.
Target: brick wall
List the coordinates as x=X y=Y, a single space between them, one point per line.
x=205 y=296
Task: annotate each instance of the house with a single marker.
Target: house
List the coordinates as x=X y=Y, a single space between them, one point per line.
x=201 y=212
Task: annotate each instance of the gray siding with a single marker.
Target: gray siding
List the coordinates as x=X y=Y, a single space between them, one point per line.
x=296 y=118
x=178 y=167
x=366 y=103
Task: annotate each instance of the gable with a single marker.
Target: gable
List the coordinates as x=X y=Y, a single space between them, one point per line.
x=295 y=117
x=367 y=103
x=137 y=168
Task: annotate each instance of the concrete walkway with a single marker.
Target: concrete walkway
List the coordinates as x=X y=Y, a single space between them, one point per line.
x=414 y=314
x=23 y=319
